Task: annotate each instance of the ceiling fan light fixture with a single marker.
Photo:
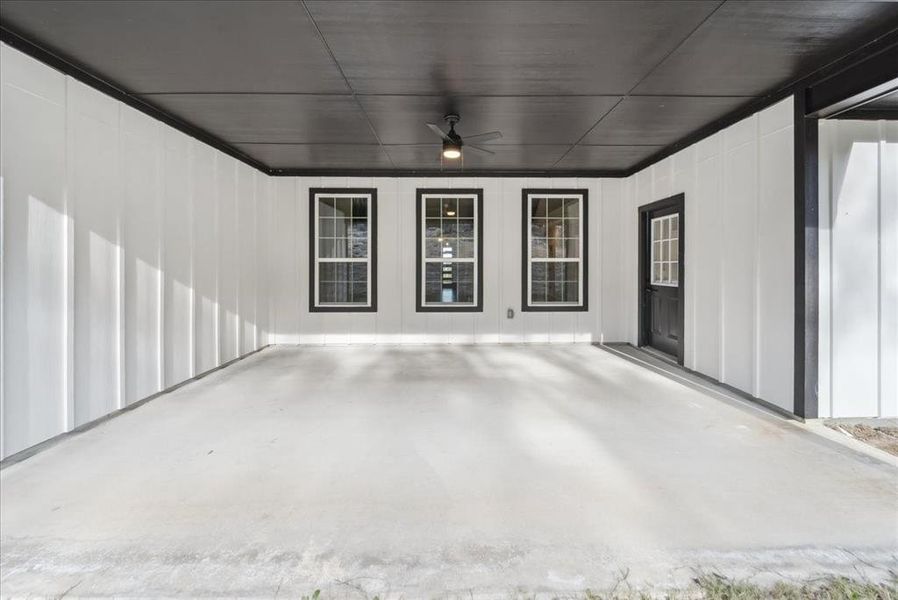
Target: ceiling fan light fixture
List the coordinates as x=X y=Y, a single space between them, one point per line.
x=451 y=150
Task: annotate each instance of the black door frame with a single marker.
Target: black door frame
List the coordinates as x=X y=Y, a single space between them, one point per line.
x=677 y=201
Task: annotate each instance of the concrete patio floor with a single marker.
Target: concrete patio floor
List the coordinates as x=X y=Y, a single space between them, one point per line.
x=438 y=470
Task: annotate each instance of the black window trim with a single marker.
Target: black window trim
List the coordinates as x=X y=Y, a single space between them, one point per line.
x=419 y=304
x=584 y=246
x=372 y=250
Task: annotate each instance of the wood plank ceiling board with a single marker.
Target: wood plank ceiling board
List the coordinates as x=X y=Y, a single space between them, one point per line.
x=313 y=85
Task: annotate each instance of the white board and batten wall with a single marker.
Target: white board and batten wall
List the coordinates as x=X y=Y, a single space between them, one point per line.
x=396 y=320
x=128 y=265
x=135 y=257
x=858 y=361
x=739 y=284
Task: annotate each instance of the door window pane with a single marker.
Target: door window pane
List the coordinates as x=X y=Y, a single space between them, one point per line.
x=665 y=247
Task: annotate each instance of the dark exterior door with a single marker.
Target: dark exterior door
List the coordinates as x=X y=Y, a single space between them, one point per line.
x=662 y=309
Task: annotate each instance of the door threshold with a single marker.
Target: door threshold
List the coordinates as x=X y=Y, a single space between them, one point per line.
x=660 y=354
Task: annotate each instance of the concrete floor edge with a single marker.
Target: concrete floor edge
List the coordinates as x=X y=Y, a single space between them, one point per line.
x=46 y=444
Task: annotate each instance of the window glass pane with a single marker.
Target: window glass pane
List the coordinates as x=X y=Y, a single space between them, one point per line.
x=555 y=207
x=538 y=271
x=341 y=227
x=555 y=228
x=326 y=248
x=538 y=228
x=465 y=282
x=433 y=271
x=572 y=291
x=449 y=207
x=656 y=272
x=572 y=248
x=674 y=273
x=572 y=208
x=675 y=226
x=537 y=292
x=465 y=248
x=539 y=248
x=358 y=271
x=465 y=208
x=555 y=272
x=656 y=251
x=538 y=207
x=340 y=248
x=326 y=228
x=359 y=248
x=326 y=292
x=664 y=250
x=554 y=291
x=432 y=228
x=432 y=207
x=555 y=248
x=664 y=273
x=327 y=271
x=360 y=208
x=360 y=292
x=466 y=228
x=449 y=248
x=572 y=228
x=674 y=249
x=450 y=228
x=359 y=228
x=343 y=207
x=325 y=207
x=572 y=271
x=433 y=249
x=665 y=228
x=656 y=230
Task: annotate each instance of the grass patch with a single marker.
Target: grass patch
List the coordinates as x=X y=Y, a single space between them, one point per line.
x=717 y=587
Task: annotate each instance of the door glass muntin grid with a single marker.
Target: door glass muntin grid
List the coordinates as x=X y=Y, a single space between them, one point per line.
x=665 y=250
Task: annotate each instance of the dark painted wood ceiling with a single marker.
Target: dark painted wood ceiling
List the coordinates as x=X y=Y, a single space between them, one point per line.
x=573 y=86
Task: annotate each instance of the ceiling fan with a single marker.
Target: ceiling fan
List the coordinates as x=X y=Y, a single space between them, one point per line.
x=453 y=143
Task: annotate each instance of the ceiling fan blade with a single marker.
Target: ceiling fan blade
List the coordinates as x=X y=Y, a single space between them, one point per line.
x=477 y=149
x=438 y=131
x=483 y=137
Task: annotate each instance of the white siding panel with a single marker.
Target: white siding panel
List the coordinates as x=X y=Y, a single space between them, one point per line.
x=95 y=195
x=177 y=261
x=776 y=258
x=205 y=256
x=740 y=192
x=111 y=253
x=35 y=402
x=858 y=273
x=141 y=139
x=246 y=244
x=228 y=258
x=888 y=248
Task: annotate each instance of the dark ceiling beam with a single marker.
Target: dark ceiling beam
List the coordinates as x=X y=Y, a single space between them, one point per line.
x=89 y=78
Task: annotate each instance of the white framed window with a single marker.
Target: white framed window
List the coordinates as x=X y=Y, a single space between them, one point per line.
x=343 y=250
x=449 y=250
x=666 y=250
x=554 y=252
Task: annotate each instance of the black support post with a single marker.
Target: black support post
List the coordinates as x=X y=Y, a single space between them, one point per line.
x=807 y=286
